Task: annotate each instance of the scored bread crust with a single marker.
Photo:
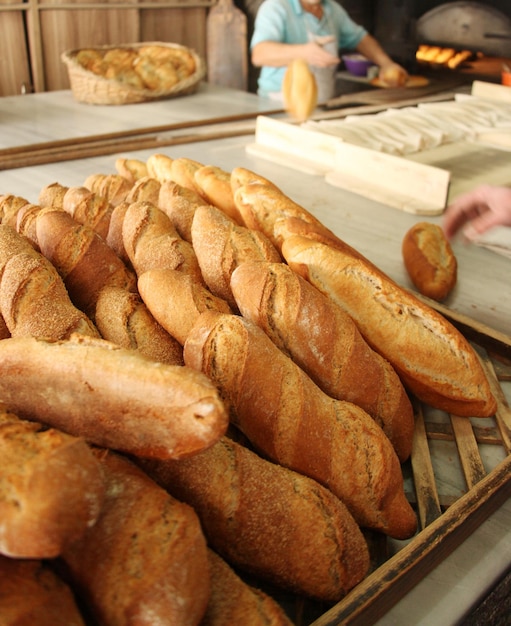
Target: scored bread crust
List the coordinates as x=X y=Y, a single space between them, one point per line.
x=429 y=260
x=432 y=358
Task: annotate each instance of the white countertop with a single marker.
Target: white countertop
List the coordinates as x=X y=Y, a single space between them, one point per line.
x=483 y=291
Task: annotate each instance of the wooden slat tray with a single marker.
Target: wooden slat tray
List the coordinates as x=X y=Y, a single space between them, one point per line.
x=451 y=480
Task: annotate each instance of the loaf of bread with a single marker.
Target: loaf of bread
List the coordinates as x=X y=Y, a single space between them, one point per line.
x=326 y=343
x=182 y=172
x=429 y=260
x=145 y=189
x=268 y=520
x=158 y=166
x=114 y=236
x=179 y=204
x=152 y=242
x=292 y=422
x=89 y=208
x=112 y=397
x=113 y=187
x=215 y=186
x=145 y=560
x=176 y=300
x=9 y=207
x=34 y=300
x=432 y=358
x=124 y=319
x=52 y=195
x=299 y=90
x=84 y=260
x=232 y=601
x=131 y=169
x=241 y=176
x=26 y=221
x=221 y=245
x=31 y=594
x=51 y=488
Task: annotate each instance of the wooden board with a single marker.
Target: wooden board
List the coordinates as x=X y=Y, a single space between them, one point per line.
x=15 y=74
x=227 y=46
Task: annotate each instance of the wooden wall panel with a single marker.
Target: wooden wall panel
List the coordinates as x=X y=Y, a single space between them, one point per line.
x=14 y=62
x=185 y=26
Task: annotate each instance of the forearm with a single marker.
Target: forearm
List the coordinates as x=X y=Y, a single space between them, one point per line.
x=371 y=49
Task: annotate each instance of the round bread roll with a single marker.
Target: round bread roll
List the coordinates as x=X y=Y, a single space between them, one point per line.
x=429 y=260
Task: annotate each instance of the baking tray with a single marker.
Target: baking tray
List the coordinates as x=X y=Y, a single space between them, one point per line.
x=459 y=474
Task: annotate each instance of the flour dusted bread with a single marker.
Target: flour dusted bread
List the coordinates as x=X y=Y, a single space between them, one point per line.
x=180 y=204
x=432 y=358
x=429 y=260
x=51 y=488
x=88 y=207
x=31 y=594
x=111 y=396
x=292 y=422
x=326 y=343
x=265 y=519
x=145 y=560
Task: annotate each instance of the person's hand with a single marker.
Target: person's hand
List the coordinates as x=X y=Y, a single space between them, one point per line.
x=476 y=212
x=393 y=75
x=316 y=55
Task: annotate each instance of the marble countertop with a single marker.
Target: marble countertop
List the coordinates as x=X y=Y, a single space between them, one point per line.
x=483 y=291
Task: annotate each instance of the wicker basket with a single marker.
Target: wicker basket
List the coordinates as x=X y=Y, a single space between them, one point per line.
x=92 y=88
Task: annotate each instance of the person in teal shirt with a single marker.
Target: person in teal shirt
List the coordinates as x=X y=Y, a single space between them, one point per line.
x=313 y=30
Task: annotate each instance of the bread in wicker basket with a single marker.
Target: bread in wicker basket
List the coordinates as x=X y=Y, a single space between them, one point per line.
x=131 y=73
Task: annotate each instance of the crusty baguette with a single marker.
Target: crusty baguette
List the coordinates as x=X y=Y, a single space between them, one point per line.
x=114 y=236
x=131 y=169
x=292 y=532
x=85 y=261
x=289 y=419
x=145 y=560
x=429 y=260
x=31 y=594
x=232 y=601
x=158 y=166
x=52 y=195
x=221 y=245
x=34 y=300
x=145 y=189
x=176 y=300
x=432 y=358
x=179 y=204
x=26 y=221
x=111 y=396
x=152 y=242
x=241 y=176
x=51 y=488
x=88 y=207
x=123 y=318
x=326 y=343
x=11 y=244
x=113 y=187
x=215 y=186
x=183 y=171
x=9 y=207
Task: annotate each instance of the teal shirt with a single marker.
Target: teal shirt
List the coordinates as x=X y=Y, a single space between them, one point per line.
x=285 y=21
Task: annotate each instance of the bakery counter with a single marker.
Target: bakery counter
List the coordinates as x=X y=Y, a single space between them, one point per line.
x=448 y=592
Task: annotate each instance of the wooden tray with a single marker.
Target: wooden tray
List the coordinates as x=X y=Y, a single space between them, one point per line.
x=446 y=519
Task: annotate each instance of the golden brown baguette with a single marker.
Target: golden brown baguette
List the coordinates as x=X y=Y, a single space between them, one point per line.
x=145 y=560
x=9 y=207
x=111 y=396
x=52 y=195
x=113 y=187
x=292 y=422
x=85 y=261
x=431 y=357
x=27 y=219
x=183 y=173
x=292 y=532
x=429 y=260
x=89 y=208
x=131 y=169
x=114 y=236
x=34 y=300
x=51 y=488
x=145 y=189
x=176 y=300
x=11 y=244
x=31 y=594
x=123 y=318
x=179 y=204
x=232 y=601
x=4 y=331
x=241 y=176
x=326 y=343
x=215 y=186
x=152 y=242
x=221 y=245
x=159 y=167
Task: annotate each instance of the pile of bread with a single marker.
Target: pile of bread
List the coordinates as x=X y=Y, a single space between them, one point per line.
x=152 y=66
x=201 y=381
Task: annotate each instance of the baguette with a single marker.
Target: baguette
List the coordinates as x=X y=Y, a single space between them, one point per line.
x=221 y=245
x=152 y=242
x=292 y=422
x=432 y=358
x=89 y=208
x=131 y=169
x=145 y=189
x=429 y=260
x=52 y=195
x=123 y=318
x=114 y=236
x=9 y=207
x=293 y=532
x=180 y=204
x=176 y=300
x=11 y=244
x=26 y=221
x=183 y=171
x=83 y=259
x=113 y=187
x=232 y=601
x=326 y=343
x=31 y=594
x=34 y=301
x=51 y=489
x=145 y=560
x=158 y=166
x=112 y=397
x=215 y=186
